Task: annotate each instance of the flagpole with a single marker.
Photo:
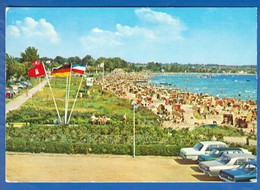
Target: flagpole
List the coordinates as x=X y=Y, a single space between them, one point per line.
x=75 y=99
x=51 y=92
x=68 y=95
x=66 y=99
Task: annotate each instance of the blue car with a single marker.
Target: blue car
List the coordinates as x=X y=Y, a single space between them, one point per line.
x=244 y=173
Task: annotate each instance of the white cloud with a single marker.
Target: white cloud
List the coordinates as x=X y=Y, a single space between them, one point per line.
x=30 y=30
x=135 y=31
x=13 y=31
x=154 y=32
x=155 y=17
x=159 y=18
x=164 y=29
x=100 y=38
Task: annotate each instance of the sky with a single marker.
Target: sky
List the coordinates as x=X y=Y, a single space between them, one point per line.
x=138 y=35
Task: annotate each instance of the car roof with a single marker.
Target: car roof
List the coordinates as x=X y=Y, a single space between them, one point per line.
x=212 y=142
x=227 y=148
x=234 y=155
x=253 y=162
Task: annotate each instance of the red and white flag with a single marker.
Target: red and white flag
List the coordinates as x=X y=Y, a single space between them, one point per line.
x=36 y=62
x=80 y=69
x=37 y=71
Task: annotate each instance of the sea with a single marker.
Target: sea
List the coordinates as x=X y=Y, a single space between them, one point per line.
x=241 y=87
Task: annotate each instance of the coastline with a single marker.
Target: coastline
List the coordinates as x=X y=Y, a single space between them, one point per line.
x=209 y=109
x=228 y=74
x=244 y=86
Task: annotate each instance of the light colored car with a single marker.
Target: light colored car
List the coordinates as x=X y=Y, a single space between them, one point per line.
x=225 y=162
x=204 y=147
x=217 y=152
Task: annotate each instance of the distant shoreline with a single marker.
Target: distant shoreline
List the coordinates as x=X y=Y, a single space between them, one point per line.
x=184 y=88
x=166 y=73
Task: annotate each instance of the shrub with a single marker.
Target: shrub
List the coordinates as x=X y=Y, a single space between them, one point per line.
x=59 y=147
x=158 y=150
x=80 y=148
x=120 y=149
x=16 y=145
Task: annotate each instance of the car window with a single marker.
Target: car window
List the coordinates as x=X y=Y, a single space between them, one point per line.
x=224 y=159
x=211 y=147
x=215 y=152
x=239 y=161
x=221 y=153
x=232 y=151
x=248 y=167
x=221 y=145
x=198 y=146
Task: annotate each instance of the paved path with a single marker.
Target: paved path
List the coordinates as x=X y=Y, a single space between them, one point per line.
x=18 y=101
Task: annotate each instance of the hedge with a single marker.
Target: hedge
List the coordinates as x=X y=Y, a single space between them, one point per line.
x=157 y=150
x=20 y=145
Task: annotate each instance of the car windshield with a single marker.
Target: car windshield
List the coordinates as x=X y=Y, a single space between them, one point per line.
x=248 y=167
x=198 y=146
x=214 y=152
x=224 y=159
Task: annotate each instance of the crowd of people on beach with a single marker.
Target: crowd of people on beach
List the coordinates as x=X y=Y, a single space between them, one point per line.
x=168 y=102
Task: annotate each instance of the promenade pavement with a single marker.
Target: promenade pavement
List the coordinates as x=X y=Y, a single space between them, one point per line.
x=21 y=99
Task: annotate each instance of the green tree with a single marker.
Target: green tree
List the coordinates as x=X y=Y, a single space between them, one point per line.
x=10 y=67
x=60 y=60
x=101 y=60
x=74 y=60
x=15 y=69
x=88 y=60
x=21 y=71
x=156 y=67
x=29 y=55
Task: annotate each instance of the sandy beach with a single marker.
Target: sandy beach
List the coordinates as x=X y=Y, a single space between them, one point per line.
x=178 y=109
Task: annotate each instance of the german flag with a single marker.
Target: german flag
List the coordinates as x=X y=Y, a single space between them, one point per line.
x=62 y=71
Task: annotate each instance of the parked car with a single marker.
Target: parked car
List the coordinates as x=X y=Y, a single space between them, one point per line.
x=9 y=93
x=20 y=85
x=217 y=152
x=226 y=161
x=25 y=83
x=244 y=173
x=204 y=147
x=15 y=89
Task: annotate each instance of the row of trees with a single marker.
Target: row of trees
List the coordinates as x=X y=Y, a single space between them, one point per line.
x=17 y=67
x=199 y=68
